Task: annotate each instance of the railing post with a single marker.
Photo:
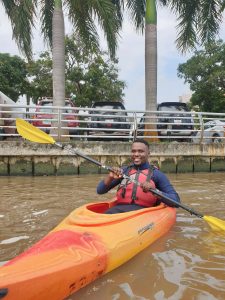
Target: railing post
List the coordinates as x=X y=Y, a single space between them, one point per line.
x=202 y=127
x=135 y=126
x=59 y=123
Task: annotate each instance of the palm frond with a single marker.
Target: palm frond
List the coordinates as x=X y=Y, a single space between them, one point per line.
x=22 y=15
x=198 y=21
x=46 y=10
x=8 y=5
x=109 y=21
x=209 y=20
x=163 y=2
x=119 y=4
x=187 y=27
x=223 y=6
x=83 y=23
x=83 y=15
x=136 y=9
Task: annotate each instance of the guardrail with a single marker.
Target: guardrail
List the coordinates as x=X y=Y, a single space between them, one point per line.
x=90 y=124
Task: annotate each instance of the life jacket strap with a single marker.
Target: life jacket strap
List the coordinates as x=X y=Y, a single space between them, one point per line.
x=123 y=193
x=148 y=178
x=134 y=191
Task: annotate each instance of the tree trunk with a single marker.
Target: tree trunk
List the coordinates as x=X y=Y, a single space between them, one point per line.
x=58 y=57
x=58 y=53
x=151 y=69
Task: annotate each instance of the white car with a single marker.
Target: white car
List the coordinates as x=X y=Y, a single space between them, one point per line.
x=213 y=132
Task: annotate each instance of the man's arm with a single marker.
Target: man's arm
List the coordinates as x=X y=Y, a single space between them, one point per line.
x=163 y=184
x=110 y=181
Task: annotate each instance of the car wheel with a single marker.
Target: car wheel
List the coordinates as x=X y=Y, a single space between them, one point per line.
x=216 y=139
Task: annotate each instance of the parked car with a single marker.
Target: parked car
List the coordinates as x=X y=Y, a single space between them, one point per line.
x=108 y=119
x=172 y=122
x=213 y=132
x=175 y=113
x=44 y=114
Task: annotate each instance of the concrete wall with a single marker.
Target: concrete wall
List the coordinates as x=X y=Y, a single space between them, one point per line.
x=25 y=158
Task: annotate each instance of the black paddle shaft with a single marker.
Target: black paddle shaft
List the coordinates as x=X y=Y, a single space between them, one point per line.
x=171 y=201
x=73 y=151
x=154 y=191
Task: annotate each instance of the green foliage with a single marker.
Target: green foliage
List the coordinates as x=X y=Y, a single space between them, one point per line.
x=13 y=74
x=90 y=74
x=205 y=72
x=40 y=77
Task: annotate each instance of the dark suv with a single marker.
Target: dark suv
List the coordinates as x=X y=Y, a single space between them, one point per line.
x=108 y=119
x=174 y=121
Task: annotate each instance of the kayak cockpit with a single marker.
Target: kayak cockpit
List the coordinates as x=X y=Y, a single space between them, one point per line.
x=92 y=214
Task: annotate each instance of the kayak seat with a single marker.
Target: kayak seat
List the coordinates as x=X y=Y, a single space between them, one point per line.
x=100 y=207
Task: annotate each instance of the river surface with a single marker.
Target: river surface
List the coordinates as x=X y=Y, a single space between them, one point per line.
x=187 y=263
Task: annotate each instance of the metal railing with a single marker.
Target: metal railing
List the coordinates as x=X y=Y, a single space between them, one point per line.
x=107 y=124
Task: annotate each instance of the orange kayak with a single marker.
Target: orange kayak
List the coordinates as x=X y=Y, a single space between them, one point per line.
x=84 y=246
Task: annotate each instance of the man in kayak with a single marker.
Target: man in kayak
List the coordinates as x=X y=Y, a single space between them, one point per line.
x=132 y=196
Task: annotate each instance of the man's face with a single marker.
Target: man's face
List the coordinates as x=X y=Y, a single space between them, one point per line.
x=139 y=153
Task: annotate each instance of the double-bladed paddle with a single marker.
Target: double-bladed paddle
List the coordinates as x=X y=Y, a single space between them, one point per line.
x=34 y=134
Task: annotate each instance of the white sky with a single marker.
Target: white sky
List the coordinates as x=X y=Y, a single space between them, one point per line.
x=131 y=58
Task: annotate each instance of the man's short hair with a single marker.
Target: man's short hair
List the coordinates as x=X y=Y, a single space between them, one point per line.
x=141 y=141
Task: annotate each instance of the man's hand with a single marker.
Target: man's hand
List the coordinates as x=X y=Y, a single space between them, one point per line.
x=146 y=186
x=116 y=174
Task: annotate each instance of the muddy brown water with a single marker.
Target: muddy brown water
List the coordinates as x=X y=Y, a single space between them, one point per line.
x=187 y=263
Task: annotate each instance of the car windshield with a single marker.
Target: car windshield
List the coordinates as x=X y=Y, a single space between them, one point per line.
x=213 y=123
x=44 y=107
x=172 y=108
x=103 y=112
x=108 y=107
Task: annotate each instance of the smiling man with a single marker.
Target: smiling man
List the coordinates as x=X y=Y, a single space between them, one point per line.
x=132 y=196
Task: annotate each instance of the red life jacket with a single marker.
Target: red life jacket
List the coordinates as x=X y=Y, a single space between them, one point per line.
x=129 y=192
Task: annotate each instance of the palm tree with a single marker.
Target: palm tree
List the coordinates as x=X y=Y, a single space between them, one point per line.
x=144 y=16
x=198 y=22
x=82 y=14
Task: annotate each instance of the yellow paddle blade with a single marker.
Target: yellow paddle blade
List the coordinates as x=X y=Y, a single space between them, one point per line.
x=33 y=133
x=215 y=223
